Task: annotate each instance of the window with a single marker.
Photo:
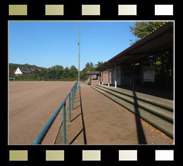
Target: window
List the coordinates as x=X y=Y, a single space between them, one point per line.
x=94 y=77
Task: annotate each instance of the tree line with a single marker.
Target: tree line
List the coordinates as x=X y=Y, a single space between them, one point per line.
x=54 y=73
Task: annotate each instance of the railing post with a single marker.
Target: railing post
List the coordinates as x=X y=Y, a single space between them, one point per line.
x=75 y=90
x=72 y=97
x=64 y=125
x=69 y=106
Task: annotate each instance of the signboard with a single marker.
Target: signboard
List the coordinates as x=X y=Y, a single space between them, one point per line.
x=149 y=74
x=94 y=77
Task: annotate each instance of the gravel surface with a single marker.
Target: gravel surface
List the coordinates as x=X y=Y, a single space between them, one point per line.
x=31 y=105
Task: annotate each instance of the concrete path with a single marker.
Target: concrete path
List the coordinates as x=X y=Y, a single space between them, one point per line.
x=97 y=120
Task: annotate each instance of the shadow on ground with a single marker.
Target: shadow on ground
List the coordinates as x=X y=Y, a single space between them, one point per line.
x=82 y=118
x=73 y=130
x=140 y=131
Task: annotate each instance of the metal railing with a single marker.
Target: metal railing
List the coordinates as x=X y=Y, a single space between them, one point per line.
x=42 y=134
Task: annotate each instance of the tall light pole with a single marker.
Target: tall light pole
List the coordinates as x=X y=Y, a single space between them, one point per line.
x=79 y=54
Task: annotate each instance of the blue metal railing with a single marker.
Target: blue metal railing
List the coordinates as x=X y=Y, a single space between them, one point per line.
x=42 y=134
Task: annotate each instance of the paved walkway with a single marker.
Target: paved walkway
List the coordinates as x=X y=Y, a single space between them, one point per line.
x=97 y=120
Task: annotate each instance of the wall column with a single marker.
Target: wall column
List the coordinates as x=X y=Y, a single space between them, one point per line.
x=115 y=81
x=108 y=78
x=134 y=73
x=99 y=76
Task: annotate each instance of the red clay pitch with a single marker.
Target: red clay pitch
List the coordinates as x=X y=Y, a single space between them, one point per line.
x=31 y=105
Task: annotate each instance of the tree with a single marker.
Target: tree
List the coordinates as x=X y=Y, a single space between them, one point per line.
x=142 y=29
x=51 y=73
x=46 y=76
x=98 y=64
x=66 y=72
x=73 y=71
x=42 y=73
x=59 y=71
x=89 y=66
x=35 y=74
x=59 y=74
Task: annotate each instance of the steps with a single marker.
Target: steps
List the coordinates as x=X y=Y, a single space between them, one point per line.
x=155 y=112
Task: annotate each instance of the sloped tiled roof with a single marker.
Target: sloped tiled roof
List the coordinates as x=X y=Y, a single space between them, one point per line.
x=26 y=70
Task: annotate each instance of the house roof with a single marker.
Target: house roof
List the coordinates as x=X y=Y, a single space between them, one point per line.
x=26 y=70
x=92 y=72
x=159 y=40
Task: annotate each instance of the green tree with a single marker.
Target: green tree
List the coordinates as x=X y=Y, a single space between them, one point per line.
x=59 y=74
x=51 y=73
x=35 y=74
x=89 y=66
x=142 y=29
x=42 y=74
x=98 y=64
x=46 y=76
x=59 y=71
x=66 y=73
x=73 y=71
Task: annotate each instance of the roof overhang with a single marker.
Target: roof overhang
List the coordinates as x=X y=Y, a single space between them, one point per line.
x=157 y=41
x=92 y=72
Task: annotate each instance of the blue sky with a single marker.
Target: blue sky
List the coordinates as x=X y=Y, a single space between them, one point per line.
x=52 y=43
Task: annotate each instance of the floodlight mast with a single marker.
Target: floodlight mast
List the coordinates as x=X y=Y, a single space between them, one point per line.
x=79 y=54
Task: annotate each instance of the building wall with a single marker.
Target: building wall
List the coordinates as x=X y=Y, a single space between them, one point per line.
x=94 y=82
x=104 y=77
x=126 y=75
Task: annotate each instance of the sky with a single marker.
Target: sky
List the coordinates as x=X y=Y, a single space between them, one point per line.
x=50 y=43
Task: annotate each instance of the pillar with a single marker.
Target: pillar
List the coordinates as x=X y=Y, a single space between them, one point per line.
x=108 y=78
x=115 y=81
x=102 y=77
x=134 y=73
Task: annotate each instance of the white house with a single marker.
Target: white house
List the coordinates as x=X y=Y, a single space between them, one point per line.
x=21 y=70
x=18 y=71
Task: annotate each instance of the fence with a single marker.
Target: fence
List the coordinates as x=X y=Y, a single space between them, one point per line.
x=42 y=134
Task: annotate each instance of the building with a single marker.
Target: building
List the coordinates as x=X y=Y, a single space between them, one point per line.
x=149 y=61
x=23 y=70
x=94 y=77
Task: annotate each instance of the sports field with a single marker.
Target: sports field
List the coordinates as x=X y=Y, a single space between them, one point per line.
x=31 y=105
x=95 y=119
